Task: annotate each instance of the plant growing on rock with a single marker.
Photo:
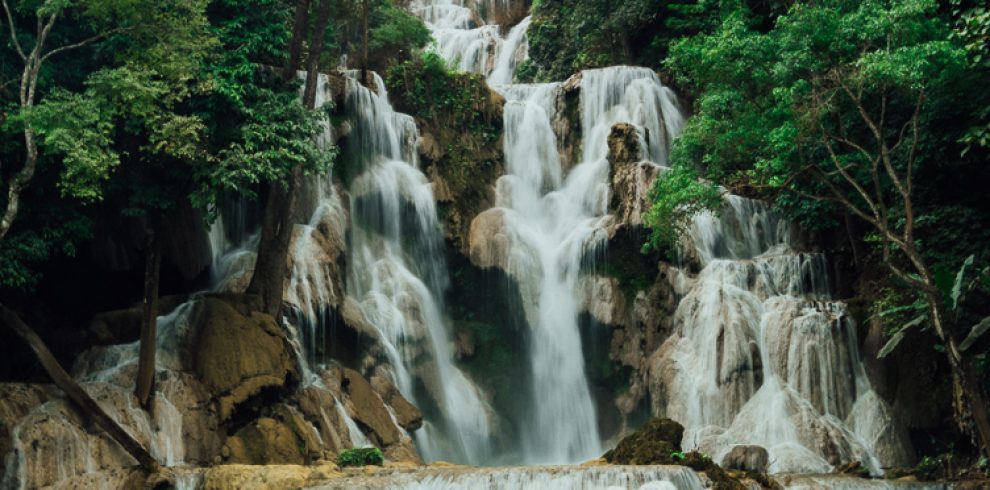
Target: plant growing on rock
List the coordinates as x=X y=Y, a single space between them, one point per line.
x=361 y=457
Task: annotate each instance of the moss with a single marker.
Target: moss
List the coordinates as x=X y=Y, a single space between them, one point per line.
x=656 y=442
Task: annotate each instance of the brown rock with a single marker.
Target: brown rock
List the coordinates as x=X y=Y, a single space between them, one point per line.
x=747 y=458
x=16 y=401
x=368 y=408
x=408 y=416
x=239 y=352
x=266 y=441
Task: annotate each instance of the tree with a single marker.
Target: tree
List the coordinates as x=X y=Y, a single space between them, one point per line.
x=827 y=112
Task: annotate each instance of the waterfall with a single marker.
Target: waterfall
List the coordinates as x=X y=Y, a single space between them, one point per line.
x=397 y=273
x=554 y=224
x=762 y=355
x=471 y=43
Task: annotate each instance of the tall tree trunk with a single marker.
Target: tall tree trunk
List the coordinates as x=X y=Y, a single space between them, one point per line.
x=270 y=268
x=85 y=403
x=315 y=50
x=364 y=42
x=298 y=34
x=149 y=318
x=968 y=400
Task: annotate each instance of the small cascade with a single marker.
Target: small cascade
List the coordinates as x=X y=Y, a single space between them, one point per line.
x=633 y=95
x=471 y=42
x=535 y=478
x=397 y=274
x=762 y=355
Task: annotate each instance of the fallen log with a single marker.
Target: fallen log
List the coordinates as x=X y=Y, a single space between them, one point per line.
x=83 y=402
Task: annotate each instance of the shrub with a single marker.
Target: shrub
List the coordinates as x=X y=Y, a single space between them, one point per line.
x=361 y=457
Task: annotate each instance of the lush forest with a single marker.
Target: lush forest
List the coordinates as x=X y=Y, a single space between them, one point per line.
x=131 y=128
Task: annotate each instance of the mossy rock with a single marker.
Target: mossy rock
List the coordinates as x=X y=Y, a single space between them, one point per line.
x=653 y=443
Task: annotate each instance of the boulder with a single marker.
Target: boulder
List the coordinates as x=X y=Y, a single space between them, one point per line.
x=367 y=408
x=408 y=416
x=653 y=443
x=489 y=241
x=239 y=351
x=747 y=458
x=319 y=405
x=265 y=441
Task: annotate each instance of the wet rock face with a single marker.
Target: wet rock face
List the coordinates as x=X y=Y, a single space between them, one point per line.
x=16 y=400
x=369 y=408
x=266 y=441
x=631 y=178
x=651 y=444
x=747 y=458
x=239 y=352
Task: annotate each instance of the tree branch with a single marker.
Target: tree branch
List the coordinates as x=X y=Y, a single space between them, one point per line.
x=13 y=31
x=84 y=42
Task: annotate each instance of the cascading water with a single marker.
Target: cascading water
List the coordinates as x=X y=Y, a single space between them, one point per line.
x=762 y=356
x=534 y=478
x=471 y=42
x=554 y=224
x=397 y=274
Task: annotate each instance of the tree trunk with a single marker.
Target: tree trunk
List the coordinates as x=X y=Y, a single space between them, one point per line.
x=298 y=34
x=967 y=400
x=364 y=42
x=149 y=319
x=270 y=269
x=315 y=50
x=89 y=408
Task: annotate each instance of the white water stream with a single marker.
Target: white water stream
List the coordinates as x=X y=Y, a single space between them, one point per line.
x=762 y=355
x=472 y=42
x=397 y=273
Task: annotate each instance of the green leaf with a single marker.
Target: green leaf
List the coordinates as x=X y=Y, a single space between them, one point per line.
x=897 y=337
x=957 y=285
x=975 y=333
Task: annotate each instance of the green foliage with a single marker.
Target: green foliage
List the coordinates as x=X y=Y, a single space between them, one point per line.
x=396 y=32
x=677 y=195
x=567 y=36
x=460 y=111
x=277 y=136
x=929 y=467
x=678 y=456
x=361 y=457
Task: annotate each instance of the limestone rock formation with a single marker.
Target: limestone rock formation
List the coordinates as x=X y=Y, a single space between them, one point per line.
x=16 y=400
x=631 y=178
x=367 y=408
x=603 y=299
x=489 y=240
x=266 y=441
x=239 y=352
x=747 y=458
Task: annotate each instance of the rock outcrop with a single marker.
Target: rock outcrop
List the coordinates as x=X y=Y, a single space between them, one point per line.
x=631 y=178
x=239 y=351
x=747 y=458
x=653 y=443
